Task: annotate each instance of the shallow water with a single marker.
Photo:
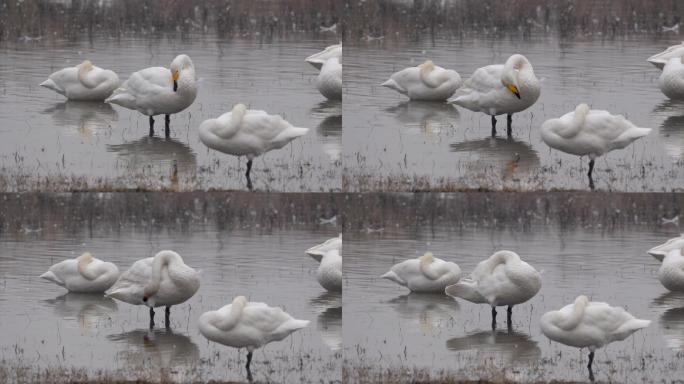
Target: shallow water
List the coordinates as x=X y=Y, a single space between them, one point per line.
x=596 y=255
x=393 y=144
x=48 y=143
x=247 y=254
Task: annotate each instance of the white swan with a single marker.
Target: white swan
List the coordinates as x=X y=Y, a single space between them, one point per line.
x=162 y=280
x=660 y=59
x=329 y=80
x=427 y=82
x=250 y=325
x=318 y=59
x=589 y=324
x=590 y=132
x=158 y=90
x=317 y=251
x=500 y=89
x=671 y=272
x=426 y=274
x=243 y=132
x=84 y=82
x=502 y=279
x=84 y=274
x=671 y=80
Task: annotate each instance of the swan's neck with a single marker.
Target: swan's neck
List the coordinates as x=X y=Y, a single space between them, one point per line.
x=161 y=260
x=186 y=82
x=83 y=262
x=84 y=69
x=227 y=322
x=572 y=321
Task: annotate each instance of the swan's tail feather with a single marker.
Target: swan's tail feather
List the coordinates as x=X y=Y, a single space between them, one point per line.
x=465 y=290
x=120 y=98
x=393 y=277
x=49 y=84
x=291 y=326
x=49 y=276
x=630 y=327
x=391 y=84
x=631 y=135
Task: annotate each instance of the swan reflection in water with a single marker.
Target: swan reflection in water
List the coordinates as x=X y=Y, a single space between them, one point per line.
x=511 y=345
x=157 y=152
x=428 y=118
x=330 y=134
x=672 y=320
x=429 y=311
x=510 y=157
x=672 y=129
x=83 y=118
x=329 y=321
x=87 y=309
x=158 y=350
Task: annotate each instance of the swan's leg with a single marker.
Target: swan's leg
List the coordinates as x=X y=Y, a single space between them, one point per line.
x=249 y=360
x=493 y=125
x=493 y=317
x=591 y=169
x=167 y=314
x=151 y=126
x=249 y=180
x=151 y=317
x=509 y=313
x=591 y=360
x=167 y=128
x=509 y=128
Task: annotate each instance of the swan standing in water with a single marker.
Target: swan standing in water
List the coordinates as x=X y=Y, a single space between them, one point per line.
x=590 y=132
x=426 y=82
x=329 y=80
x=84 y=82
x=162 y=280
x=589 y=324
x=317 y=251
x=671 y=80
x=660 y=59
x=329 y=273
x=318 y=59
x=250 y=325
x=500 y=89
x=502 y=279
x=426 y=274
x=247 y=132
x=84 y=274
x=671 y=272
x=159 y=91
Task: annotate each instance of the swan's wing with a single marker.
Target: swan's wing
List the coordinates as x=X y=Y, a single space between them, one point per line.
x=148 y=81
x=607 y=127
x=435 y=77
x=263 y=318
x=604 y=317
x=263 y=126
x=484 y=79
x=137 y=275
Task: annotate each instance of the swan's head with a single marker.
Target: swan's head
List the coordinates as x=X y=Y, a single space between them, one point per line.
x=86 y=65
x=427 y=258
x=660 y=251
x=511 y=70
x=178 y=65
x=582 y=300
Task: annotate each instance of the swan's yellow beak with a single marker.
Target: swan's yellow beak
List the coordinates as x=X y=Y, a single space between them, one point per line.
x=514 y=90
x=175 y=75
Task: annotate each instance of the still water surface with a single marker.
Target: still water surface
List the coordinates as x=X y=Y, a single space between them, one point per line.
x=49 y=143
x=393 y=144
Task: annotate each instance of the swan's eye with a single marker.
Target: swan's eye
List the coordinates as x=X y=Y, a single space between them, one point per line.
x=145 y=299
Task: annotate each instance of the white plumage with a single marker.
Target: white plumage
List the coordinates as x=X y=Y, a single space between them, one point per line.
x=660 y=59
x=318 y=59
x=589 y=324
x=317 y=251
x=84 y=274
x=329 y=80
x=502 y=279
x=427 y=82
x=500 y=89
x=329 y=273
x=426 y=274
x=249 y=325
x=162 y=280
x=671 y=80
x=84 y=82
x=590 y=132
x=671 y=272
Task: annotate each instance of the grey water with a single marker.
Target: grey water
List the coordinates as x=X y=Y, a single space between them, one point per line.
x=441 y=338
x=49 y=143
x=391 y=143
x=248 y=253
